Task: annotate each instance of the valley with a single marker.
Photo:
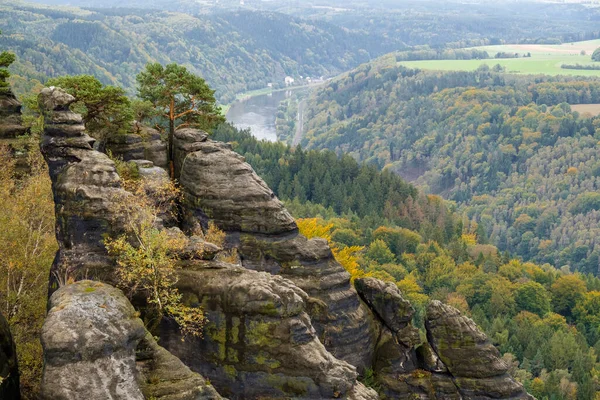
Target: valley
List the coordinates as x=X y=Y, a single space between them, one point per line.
x=359 y=200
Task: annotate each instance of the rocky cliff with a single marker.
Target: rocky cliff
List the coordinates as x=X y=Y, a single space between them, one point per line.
x=11 y=124
x=284 y=321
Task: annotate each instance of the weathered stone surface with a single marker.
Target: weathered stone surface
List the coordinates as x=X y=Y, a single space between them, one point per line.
x=385 y=299
x=186 y=141
x=91 y=339
x=471 y=359
x=11 y=123
x=85 y=185
x=162 y=376
x=219 y=185
x=145 y=144
x=456 y=338
x=9 y=371
x=259 y=341
x=428 y=360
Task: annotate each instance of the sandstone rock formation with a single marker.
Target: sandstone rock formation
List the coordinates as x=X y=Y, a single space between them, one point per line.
x=145 y=144
x=284 y=323
x=96 y=347
x=471 y=359
x=85 y=185
x=9 y=371
x=219 y=186
x=11 y=128
x=11 y=124
x=259 y=342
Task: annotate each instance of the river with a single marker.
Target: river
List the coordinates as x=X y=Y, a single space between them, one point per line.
x=258 y=113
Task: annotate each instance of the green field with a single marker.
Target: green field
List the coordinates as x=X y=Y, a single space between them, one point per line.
x=545 y=59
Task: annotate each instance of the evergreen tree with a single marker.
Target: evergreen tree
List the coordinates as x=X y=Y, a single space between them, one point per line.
x=6 y=59
x=181 y=97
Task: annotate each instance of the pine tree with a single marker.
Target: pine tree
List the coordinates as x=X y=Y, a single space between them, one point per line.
x=182 y=98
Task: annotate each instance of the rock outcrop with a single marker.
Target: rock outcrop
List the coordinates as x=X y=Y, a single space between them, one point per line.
x=96 y=347
x=259 y=341
x=285 y=322
x=470 y=358
x=85 y=185
x=9 y=371
x=11 y=123
x=219 y=186
x=145 y=144
x=12 y=132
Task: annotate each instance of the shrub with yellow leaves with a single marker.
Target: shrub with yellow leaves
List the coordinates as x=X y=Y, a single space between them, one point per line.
x=147 y=257
x=28 y=248
x=347 y=257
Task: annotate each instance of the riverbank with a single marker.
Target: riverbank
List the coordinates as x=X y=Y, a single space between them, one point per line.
x=259 y=92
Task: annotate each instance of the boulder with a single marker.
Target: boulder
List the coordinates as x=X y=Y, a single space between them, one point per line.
x=96 y=347
x=220 y=186
x=9 y=371
x=385 y=299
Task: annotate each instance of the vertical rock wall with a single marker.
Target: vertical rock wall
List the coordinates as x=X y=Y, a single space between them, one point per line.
x=85 y=185
x=9 y=371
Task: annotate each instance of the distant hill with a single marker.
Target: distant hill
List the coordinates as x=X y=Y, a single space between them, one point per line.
x=234 y=51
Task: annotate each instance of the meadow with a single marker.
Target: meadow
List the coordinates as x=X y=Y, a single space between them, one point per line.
x=545 y=59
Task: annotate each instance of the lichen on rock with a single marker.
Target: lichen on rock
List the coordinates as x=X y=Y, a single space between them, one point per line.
x=96 y=348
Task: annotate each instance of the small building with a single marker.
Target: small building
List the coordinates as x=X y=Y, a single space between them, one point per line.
x=289 y=81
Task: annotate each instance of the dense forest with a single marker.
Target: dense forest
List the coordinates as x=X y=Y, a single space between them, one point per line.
x=414 y=22
x=508 y=150
x=544 y=320
x=234 y=51
x=238 y=49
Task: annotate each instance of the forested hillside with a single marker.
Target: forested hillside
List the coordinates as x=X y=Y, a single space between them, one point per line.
x=415 y=22
x=234 y=51
x=521 y=166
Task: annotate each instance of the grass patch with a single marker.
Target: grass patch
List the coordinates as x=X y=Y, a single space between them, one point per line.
x=545 y=59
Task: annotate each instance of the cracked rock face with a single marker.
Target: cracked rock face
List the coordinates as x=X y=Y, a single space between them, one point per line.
x=85 y=185
x=9 y=371
x=220 y=186
x=259 y=341
x=96 y=348
x=470 y=358
x=11 y=123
